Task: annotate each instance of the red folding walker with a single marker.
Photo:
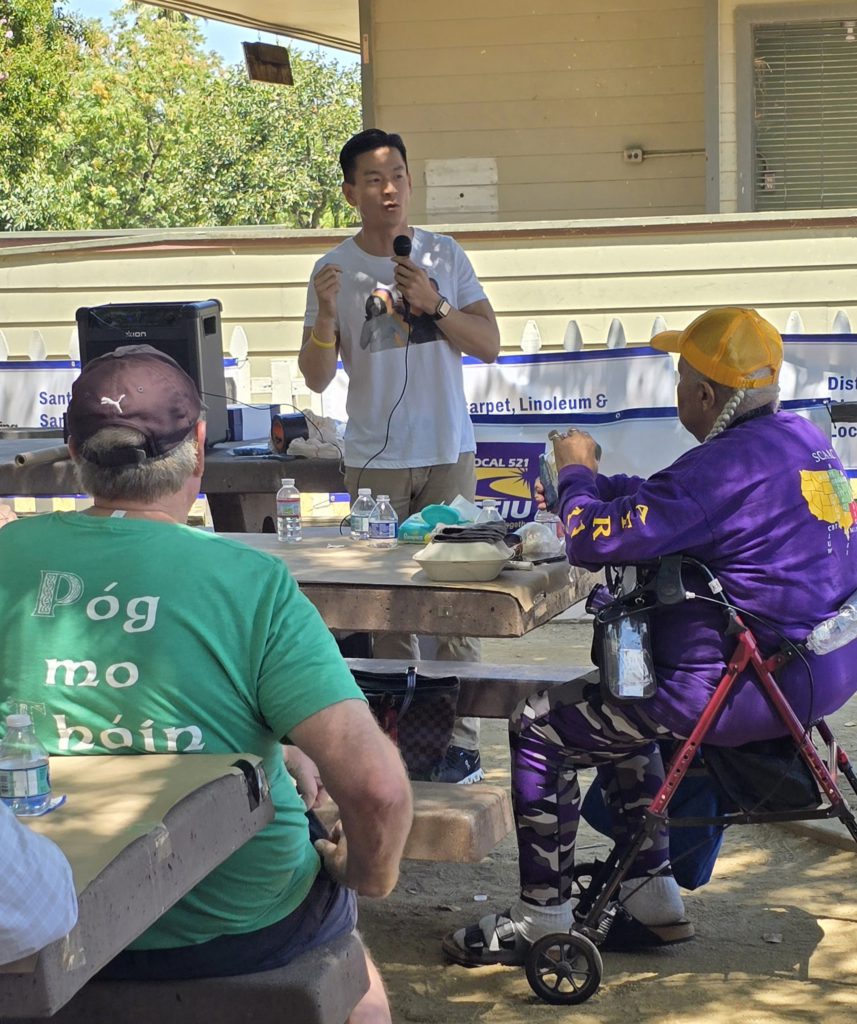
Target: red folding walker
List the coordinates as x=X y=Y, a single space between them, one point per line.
x=566 y=967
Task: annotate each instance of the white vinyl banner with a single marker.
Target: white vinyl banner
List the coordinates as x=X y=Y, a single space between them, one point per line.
x=565 y=383
x=824 y=366
x=557 y=383
x=37 y=394
x=819 y=366
x=570 y=383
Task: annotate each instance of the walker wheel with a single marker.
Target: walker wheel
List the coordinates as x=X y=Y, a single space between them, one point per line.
x=564 y=968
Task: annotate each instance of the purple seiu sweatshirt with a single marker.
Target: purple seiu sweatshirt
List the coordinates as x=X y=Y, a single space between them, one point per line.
x=767 y=506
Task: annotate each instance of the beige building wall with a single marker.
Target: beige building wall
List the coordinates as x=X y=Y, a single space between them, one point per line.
x=518 y=112
x=546 y=275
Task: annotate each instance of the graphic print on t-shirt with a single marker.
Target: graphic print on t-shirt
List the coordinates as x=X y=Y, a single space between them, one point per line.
x=827 y=493
x=386 y=327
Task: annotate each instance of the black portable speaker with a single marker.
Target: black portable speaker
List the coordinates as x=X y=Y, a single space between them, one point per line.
x=188 y=331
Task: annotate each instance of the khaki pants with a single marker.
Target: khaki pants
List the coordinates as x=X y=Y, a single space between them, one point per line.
x=410 y=490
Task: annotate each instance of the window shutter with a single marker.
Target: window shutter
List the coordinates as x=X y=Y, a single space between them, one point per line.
x=805 y=110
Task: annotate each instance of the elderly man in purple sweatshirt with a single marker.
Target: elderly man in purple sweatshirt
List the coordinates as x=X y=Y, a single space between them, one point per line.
x=762 y=500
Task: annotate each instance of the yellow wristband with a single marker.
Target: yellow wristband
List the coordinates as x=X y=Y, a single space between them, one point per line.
x=321 y=344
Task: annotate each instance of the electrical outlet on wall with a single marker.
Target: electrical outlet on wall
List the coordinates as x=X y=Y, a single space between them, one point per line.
x=633 y=154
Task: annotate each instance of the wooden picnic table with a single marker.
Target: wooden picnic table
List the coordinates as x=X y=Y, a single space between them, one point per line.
x=139 y=831
x=359 y=588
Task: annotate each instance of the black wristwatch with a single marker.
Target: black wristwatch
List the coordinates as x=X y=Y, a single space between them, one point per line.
x=443 y=309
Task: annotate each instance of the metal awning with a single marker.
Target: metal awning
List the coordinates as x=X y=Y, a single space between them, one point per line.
x=328 y=22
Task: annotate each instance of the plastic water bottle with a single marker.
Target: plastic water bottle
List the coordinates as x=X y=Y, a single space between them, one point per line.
x=288 y=513
x=552 y=521
x=360 y=512
x=25 y=778
x=489 y=512
x=383 y=524
x=835 y=632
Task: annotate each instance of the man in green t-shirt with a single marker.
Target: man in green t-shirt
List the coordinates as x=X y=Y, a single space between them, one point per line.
x=137 y=634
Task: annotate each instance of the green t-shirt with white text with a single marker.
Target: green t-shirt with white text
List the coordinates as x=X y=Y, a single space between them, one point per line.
x=135 y=636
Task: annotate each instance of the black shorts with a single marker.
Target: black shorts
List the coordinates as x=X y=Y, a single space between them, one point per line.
x=327 y=912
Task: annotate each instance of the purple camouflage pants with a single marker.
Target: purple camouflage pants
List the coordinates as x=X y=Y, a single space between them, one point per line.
x=551 y=735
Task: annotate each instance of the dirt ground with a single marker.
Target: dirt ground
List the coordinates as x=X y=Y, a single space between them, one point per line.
x=776 y=926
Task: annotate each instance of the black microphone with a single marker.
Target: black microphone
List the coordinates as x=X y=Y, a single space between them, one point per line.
x=402 y=247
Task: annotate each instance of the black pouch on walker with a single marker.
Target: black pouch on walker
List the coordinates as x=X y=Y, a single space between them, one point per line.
x=621 y=644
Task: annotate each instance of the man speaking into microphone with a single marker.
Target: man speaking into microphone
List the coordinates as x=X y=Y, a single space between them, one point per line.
x=400 y=305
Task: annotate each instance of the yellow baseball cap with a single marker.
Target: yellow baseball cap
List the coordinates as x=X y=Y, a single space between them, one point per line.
x=730 y=345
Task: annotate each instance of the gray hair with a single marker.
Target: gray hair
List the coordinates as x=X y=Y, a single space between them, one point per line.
x=145 y=481
x=735 y=401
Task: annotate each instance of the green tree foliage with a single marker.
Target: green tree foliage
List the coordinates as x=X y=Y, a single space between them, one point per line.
x=267 y=154
x=41 y=50
x=152 y=131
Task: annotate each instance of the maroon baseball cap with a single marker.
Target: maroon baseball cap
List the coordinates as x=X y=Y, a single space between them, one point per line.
x=139 y=387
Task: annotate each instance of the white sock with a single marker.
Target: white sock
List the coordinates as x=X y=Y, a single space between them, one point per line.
x=533 y=922
x=658 y=901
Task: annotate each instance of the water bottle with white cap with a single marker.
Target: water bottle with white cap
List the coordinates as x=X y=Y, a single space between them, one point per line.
x=489 y=513
x=360 y=512
x=552 y=521
x=383 y=524
x=25 y=778
x=288 y=513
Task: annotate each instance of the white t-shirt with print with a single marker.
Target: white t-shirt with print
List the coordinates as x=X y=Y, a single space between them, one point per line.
x=431 y=425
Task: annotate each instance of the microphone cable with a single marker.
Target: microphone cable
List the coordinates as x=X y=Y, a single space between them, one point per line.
x=401 y=247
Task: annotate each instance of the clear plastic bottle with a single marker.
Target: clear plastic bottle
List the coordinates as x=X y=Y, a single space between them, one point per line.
x=489 y=512
x=288 y=513
x=25 y=777
x=548 y=474
x=383 y=524
x=360 y=512
x=552 y=521
x=837 y=631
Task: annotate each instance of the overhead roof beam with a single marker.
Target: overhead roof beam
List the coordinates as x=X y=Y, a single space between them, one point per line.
x=253 y=14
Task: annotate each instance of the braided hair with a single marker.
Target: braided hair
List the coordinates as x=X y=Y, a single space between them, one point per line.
x=726 y=414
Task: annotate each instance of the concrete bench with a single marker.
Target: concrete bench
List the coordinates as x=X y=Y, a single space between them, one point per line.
x=487 y=691
x=459 y=824
x=320 y=987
